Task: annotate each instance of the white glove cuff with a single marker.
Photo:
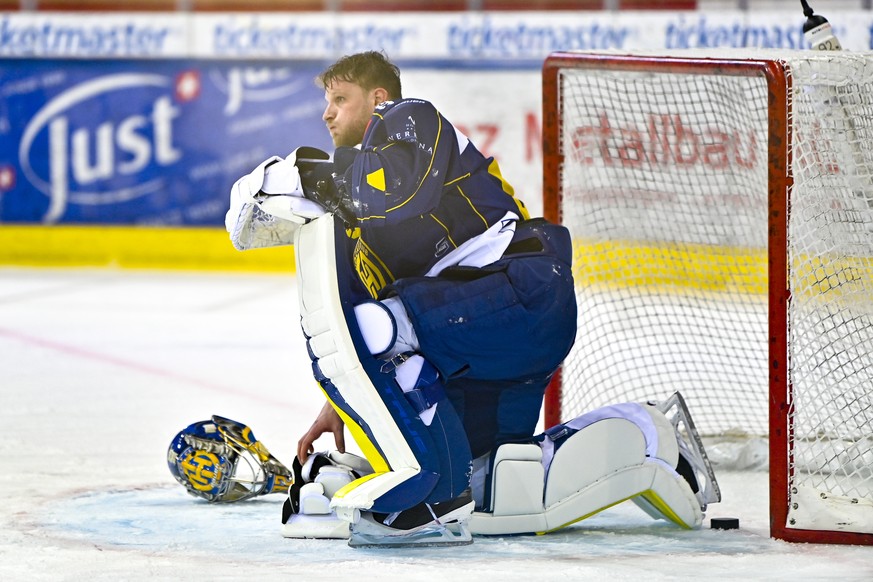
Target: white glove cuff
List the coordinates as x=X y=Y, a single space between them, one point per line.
x=249 y=185
x=282 y=177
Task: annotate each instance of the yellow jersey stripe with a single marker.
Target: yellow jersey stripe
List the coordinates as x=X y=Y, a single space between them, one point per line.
x=448 y=234
x=470 y=202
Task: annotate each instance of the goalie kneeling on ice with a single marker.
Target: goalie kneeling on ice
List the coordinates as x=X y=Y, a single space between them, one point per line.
x=568 y=473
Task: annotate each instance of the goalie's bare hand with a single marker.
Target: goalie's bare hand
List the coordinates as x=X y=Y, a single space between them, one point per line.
x=327 y=421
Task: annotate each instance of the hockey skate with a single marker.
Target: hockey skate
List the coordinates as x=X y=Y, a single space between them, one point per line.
x=694 y=465
x=427 y=524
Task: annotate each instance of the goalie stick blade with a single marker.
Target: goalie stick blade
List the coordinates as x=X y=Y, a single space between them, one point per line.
x=436 y=535
x=676 y=411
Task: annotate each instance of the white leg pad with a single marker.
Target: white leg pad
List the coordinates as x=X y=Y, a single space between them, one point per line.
x=606 y=462
x=519 y=470
x=323 y=321
x=313 y=500
x=598 y=450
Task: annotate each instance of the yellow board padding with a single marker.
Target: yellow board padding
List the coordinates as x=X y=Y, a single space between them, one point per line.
x=847 y=278
x=662 y=265
x=135 y=247
x=696 y=268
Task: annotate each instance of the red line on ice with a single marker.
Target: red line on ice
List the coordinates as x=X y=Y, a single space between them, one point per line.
x=130 y=364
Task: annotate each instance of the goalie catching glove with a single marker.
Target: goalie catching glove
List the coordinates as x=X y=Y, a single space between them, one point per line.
x=268 y=205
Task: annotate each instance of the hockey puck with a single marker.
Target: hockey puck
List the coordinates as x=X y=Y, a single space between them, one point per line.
x=724 y=523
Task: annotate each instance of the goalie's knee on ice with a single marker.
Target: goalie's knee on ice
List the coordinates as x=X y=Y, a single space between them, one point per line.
x=584 y=466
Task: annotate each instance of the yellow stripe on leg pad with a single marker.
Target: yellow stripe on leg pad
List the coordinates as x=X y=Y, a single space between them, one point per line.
x=586 y=516
x=343 y=491
x=648 y=495
x=663 y=508
x=371 y=453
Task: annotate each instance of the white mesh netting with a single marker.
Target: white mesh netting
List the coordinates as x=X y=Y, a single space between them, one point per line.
x=664 y=185
x=830 y=255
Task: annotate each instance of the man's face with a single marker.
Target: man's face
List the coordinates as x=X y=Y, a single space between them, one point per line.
x=348 y=111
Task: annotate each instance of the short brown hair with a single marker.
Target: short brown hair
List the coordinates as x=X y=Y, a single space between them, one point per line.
x=370 y=70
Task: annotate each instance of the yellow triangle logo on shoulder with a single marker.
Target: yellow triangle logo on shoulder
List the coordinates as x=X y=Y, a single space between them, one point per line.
x=377 y=179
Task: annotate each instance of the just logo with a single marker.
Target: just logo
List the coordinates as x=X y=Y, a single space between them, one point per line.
x=84 y=154
x=257 y=84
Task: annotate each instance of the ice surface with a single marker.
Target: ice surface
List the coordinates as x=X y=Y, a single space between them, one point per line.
x=100 y=369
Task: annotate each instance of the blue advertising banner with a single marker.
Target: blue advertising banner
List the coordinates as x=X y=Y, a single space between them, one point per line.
x=145 y=142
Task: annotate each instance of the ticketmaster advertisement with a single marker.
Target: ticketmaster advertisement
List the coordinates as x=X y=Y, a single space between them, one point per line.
x=136 y=119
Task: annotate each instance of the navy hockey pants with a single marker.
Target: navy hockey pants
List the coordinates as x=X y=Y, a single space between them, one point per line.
x=497 y=334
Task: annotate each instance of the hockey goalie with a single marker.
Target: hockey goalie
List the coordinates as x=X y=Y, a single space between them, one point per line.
x=435 y=312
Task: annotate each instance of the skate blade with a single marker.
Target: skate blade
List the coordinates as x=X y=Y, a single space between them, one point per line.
x=712 y=492
x=453 y=534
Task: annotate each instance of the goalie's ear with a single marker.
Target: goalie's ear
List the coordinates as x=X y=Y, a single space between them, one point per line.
x=380 y=95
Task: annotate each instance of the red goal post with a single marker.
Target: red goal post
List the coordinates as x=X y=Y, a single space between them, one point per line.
x=721 y=208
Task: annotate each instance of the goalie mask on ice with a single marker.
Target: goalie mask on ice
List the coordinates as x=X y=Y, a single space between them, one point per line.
x=221 y=461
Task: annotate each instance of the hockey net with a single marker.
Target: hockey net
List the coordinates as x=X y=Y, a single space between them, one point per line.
x=721 y=208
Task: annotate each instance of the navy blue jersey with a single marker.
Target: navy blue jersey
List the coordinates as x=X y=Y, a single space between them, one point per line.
x=495 y=332
x=427 y=183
